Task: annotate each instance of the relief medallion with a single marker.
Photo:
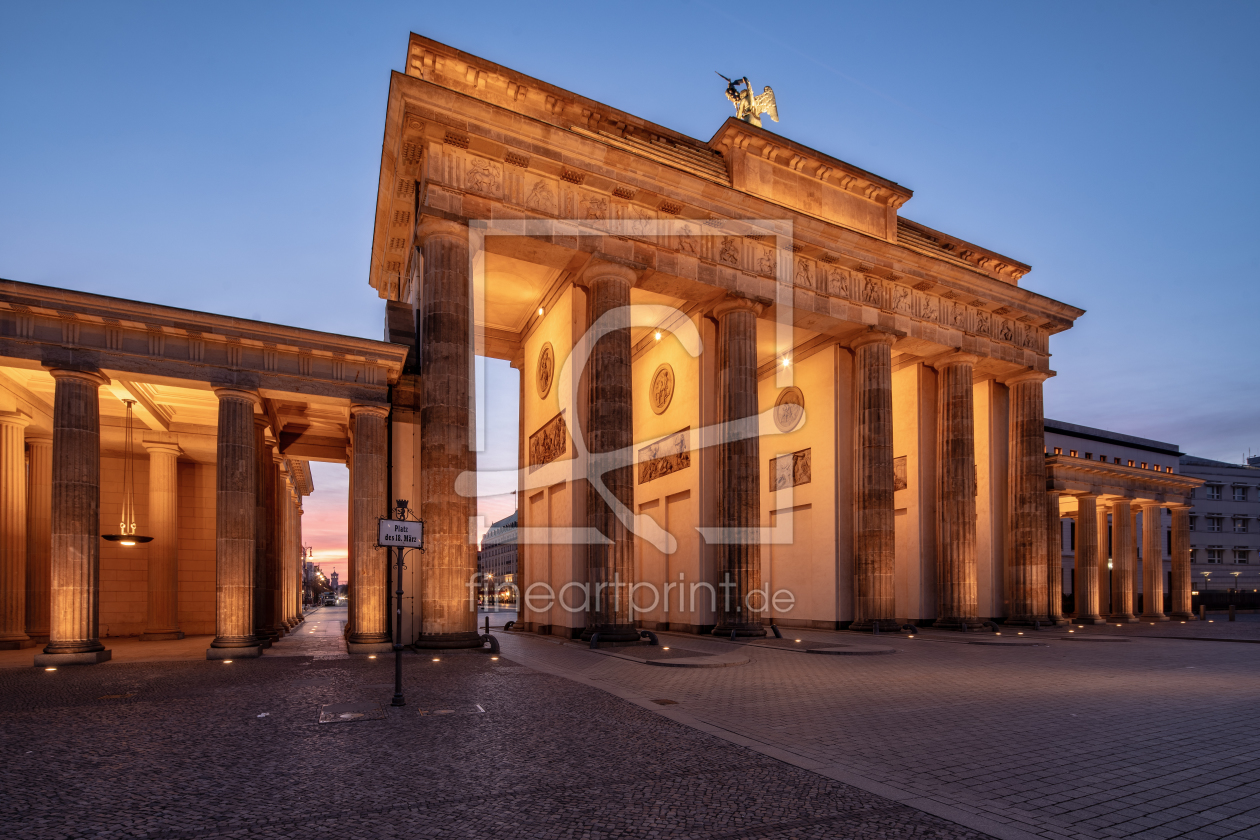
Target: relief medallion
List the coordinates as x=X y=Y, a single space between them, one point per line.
x=789 y=409
x=546 y=370
x=662 y=391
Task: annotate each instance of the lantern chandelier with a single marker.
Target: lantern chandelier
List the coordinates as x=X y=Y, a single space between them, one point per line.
x=127 y=527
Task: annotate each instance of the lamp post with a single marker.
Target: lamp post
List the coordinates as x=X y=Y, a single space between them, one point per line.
x=1235 y=574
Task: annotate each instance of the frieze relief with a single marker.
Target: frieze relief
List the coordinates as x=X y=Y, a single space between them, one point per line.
x=548 y=443
x=667 y=455
x=791 y=470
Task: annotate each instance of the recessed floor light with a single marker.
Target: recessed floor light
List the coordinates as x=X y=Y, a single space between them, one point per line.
x=50 y=669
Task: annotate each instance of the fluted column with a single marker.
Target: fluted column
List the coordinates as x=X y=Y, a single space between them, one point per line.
x=1026 y=560
x=290 y=550
x=1181 y=586
x=368 y=502
x=956 y=584
x=448 y=609
x=270 y=615
x=1054 y=559
x=1152 y=564
x=38 y=536
x=874 y=531
x=236 y=470
x=738 y=472
x=13 y=531
x=1087 y=560
x=1104 y=573
x=610 y=429
x=276 y=518
x=298 y=581
x=1134 y=510
x=162 y=619
x=76 y=520
x=262 y=598
x=1123 y=556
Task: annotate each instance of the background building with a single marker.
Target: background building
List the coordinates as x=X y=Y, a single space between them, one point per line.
x=496 y=561
x=1224 y=521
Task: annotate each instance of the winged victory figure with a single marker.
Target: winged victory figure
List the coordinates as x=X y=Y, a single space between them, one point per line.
x=750 y=106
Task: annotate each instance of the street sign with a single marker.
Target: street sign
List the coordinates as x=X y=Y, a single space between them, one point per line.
x=402 y=533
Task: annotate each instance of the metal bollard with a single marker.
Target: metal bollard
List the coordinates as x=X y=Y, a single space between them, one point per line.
x=487 y=625
x=594 y=641
x=775 y=628
x=1231 y=612
x=1202 y=612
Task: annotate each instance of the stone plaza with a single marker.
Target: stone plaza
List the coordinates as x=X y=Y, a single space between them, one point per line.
x=941 y=739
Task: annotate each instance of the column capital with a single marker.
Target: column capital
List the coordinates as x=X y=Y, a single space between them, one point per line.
x=876 y=335
x=160 y=446
x=371 y=410
x=82 y=373
x=14 y=418
x=1029 y=375
x=37 y=437
x=431 y=226
x=603 y=268
x=958 y=357
x=732 y=303
x=238 y=394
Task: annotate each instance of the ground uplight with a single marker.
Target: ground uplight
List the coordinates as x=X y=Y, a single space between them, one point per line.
x=50 y=669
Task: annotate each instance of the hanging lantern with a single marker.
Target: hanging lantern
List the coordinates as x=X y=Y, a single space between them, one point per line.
x=127 y=527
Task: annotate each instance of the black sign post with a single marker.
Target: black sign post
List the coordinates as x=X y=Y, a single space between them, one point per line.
x=400 y=533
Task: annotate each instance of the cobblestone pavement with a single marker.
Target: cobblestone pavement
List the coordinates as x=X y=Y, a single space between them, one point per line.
x=1101 y=733
x=196 y=749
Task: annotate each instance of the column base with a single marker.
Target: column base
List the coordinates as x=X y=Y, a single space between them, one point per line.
x=234 y=653
x=1059 y=622
x=957 y=624
x=18 y=644
x=1160 y=617
x=886 y=625
x=616 y=633
x=95 y=657
x=1024 y=620
x=450 y=641
x=1122 y=619
x=1093 y=620
x=742 y=631
x=1183 y=616
x=162 y=636
x=369 y=647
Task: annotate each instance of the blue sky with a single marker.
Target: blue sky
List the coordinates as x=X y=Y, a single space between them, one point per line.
x=225 y=156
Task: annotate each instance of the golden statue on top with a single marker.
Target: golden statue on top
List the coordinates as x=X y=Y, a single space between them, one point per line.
x=750 y=106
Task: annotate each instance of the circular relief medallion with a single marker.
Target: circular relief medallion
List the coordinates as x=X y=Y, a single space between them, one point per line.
x=789 y=409
x=662 y=391
x=546 y=370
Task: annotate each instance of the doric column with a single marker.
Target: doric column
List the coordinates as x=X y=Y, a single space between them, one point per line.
x=262 y=598
x=1054 y=559
x=1087 y=560
x=235 y=512
x=738 y=471
x=1181 y=607
x=38 y=536
x=610 y=429
x=1134 y=510
x=370 y=632
x=448 y=610
x=874 y=532
x=267 y=467
x=1026 y=560
x=298 y=581
x=1104 y=554
x=956 y=585
x=1152 y=563
x=13 y=531
x=291 y=613
x=275 y=542
x=162 y=620
x=1123 y=557
x=76 y=520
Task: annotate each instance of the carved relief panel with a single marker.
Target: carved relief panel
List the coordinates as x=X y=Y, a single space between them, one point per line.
x=548 y=443
x=791 y=470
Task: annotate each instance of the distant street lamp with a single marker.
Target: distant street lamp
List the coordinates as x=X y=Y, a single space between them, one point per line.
x=1235 y=574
